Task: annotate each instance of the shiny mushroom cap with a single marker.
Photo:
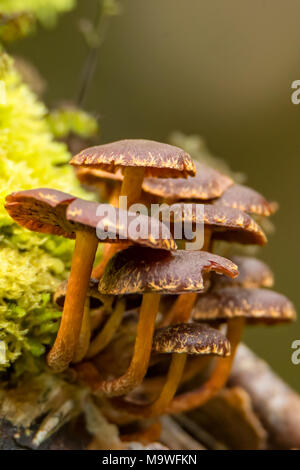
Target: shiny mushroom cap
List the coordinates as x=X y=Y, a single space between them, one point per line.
x=49 y=211
x=256 y=305
x=142 y=270
x=207 y=184
x=246 y=199
x=157 y=158
x=226 y=223
x=252 y=273
x=190 y=338
x=96 y=299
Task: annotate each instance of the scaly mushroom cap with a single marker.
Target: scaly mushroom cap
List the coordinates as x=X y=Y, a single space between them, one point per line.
x=158 y=159
x=207 y=184
x=190 y=338
x=41 y=210
x=50 y=211
x=247 y=200
x=95 y=297
x=252 y=273
x=226 y=223
x=256 y=305
x=141 y=270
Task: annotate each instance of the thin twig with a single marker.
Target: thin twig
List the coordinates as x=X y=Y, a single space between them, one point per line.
x=100 y=27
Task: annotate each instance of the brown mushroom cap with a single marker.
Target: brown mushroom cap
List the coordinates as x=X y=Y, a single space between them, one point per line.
x=85 y=212
x=246 y=199
x=256 y=305
x=252 y=273
x=96 y=298
x=226 y=223
x=190 y=338
x=157 y=158
x=207 y=184
x=41 y=210
x=142 y=270
x=49 y=211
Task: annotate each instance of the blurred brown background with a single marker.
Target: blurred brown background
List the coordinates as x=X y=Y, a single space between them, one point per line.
x=219 y=68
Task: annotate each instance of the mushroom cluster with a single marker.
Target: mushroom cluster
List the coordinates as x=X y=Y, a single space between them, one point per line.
x=154 y=327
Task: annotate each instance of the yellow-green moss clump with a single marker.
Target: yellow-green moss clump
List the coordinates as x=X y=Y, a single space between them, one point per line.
x=45 y=11
x=31 y=265
x=68 y=120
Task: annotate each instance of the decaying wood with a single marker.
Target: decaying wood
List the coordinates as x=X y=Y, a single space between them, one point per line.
x=175 y=438
x=277 y=405
x=230 y=419
x=72 y=436
x=195 y=430
x=39 y=413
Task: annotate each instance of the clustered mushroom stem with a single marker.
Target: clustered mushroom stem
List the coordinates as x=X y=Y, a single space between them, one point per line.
x=218 y=379
x=193 y=367
x=131 y=188
x=104 y=337
x=145 y=436
x=181 y=310
x=140 y=359
x=166 y=394
x=62 y=352
x=114 y=198
x=108 y=247
x=207 y=239
x=132 y=185
x=172 y=382
x=85 y=334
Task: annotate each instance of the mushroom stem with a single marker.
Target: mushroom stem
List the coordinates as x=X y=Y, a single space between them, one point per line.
x=181 y=310
x=166 y=394
x=114 y=197
x=104 y=337
x=145 y=436
x=207 y=238
x=132 y=185
x=97 y=317
x=169 y=389
x=194 y=366
x=131 y=188
x=140 y=359
x=218 y=379
x=151 y=386
x=63 y=350
x=108 y=247
x=85 y=334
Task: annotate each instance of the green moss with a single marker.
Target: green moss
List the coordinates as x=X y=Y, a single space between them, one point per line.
x=67 y=120
x=31 y=264
x=45 y=11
